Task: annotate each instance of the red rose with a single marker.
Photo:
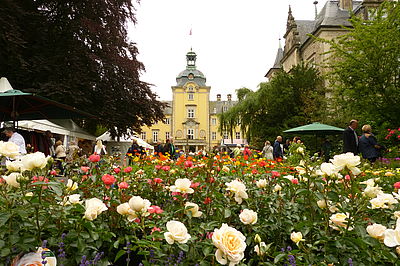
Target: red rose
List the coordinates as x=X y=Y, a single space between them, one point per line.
x=188 y=164
x=155 y=209
x=94 y=158
x=117 y=170
x=295 y=181
x=158 y=167
x=108 y=179
x=53 y=172
x=123 y=185
x=275 y=174
x=128 y=169
x=207 y=200
x=157 y=180
x=195 y=185
x=85 y=169
x=397 y=185
x=166 y=168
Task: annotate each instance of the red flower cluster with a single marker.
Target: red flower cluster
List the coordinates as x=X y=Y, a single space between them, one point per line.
x=94 y=158
x=108 y=180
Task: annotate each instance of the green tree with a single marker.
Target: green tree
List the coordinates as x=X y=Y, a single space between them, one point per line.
x=364 y=68
x=288 y=100
x=78 y=53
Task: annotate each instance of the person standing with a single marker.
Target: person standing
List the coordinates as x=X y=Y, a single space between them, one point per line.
x=169 y=148
x=268 y=151
x=158 y=148
x=277 y=149
x=51 y=142
x=368 y=146
x=350 y=138
x=99 y=148
x=60 y=155
x=16 y=138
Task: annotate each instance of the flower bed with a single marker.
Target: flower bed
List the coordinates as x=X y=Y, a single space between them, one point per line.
x=201 y=211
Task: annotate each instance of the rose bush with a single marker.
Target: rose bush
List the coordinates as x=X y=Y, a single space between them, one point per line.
x=202 y=210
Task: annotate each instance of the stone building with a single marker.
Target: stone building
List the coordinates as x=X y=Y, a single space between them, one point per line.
x=191 y=119
x=328 y=24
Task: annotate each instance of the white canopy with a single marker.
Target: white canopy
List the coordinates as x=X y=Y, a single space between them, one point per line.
x=44 y=125
x=107 y=137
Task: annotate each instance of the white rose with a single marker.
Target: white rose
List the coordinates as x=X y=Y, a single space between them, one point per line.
x=277 y=188
x=239 y=189
x=192 y=208
x=296 y=237
x=29 y=194
x=370 y=182
x=14 y=166
x=225 y=169
x=248 y=216
x=376 y=231
x=347 y=160
x=392 y=237
x=321 y=204
x=34 y=160
x=260 y=249
x=300 y=150
x=176 y=232
x=262 y=183
x=12 y=179
x=71 y=185
x=381 y=200
x=230 y=244
x=9 y=149
x=182 y=185
x=94 y=207
x=74 y=199
x=125 y=209
x=329 y=169
x=372 y=192
x=396 y=214
x=339 y=220
x=138 y=204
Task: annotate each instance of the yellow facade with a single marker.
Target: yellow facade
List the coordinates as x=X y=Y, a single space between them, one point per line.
x=191 y=118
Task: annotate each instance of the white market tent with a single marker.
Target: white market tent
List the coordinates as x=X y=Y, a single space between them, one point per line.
x=114 y=146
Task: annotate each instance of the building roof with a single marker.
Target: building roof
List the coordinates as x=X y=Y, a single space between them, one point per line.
x=305 y=27
x=168 y=109
x=332 y=15
x=219 y=106
x=191 y=73
x=278 y=58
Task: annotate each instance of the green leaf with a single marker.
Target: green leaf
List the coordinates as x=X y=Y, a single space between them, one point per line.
x=279 y=257
x=227 y=213
x=119 y=254
x=4 y=218
x=184 y=247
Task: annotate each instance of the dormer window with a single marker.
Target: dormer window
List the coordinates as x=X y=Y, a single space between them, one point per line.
x=190 y=88
x=190 y=76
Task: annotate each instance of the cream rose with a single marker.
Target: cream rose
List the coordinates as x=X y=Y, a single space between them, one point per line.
x=260 y=249
x=182 y=185
x=71 y=185
x=392 y=237
x=277 y=188
x=12 y=179
x=382 y=201
x=372 y=192
x=94 y=207
x=262 y=183
x=225 y=169
x=9 y=149
x=34 y=160
x=138 y=204
x=239 y=189
x=176 y=232
x=230 y=245
x=125 y=209
x=14 y=166
x=300 y=150
x=322 y=204
x=248 y=216
x=296 y=237
x=339 y=220
x=376 y=231
x=193 y=208
x=347 y=160
x=329 y=169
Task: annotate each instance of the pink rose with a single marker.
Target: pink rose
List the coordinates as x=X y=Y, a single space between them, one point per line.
x=295 y=181
x=94 y=158
x=157 y=180
x=117 y=170
x=155 y=209
x=128 y=169
x=85 y=169
x=123 y=185
x=108 y=179
x=166 y=168
x=53 y=172
x=275 y=174
x=195 y=185
x=158 y=167
x=397 y=185
x=188 y=164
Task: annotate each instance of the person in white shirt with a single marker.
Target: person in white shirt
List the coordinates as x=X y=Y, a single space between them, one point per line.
x=99 y=148
x=16 y=138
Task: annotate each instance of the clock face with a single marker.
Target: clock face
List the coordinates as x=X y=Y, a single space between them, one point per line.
x=190 y=76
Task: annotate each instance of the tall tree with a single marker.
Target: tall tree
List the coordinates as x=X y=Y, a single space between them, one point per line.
x=364 y=67
x=78 y=52
x=288 y=100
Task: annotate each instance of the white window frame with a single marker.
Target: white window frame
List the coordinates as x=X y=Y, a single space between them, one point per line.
x=190 y=133
x=225 y=135
x=213 y=135
x=190 y=113
x=155 y=136
x=237 y=135
x=167 y=135
x=143 y=135
x=225 y=108
x=191 y=96
x=213 y=121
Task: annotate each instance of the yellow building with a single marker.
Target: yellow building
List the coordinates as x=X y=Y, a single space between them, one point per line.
x=191 y=119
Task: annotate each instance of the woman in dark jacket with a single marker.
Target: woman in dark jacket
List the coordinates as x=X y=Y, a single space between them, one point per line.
x=368 y=146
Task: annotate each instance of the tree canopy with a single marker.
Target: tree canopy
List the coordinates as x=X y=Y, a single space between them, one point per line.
x=288 y=100
x=364 y=67
x=78 y=53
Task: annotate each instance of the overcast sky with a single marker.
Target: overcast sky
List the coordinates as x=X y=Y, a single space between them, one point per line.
x=235 y=40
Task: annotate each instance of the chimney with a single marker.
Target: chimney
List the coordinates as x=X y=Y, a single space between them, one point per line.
x=229 y=97
x=218 y=97
x=346 y=4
